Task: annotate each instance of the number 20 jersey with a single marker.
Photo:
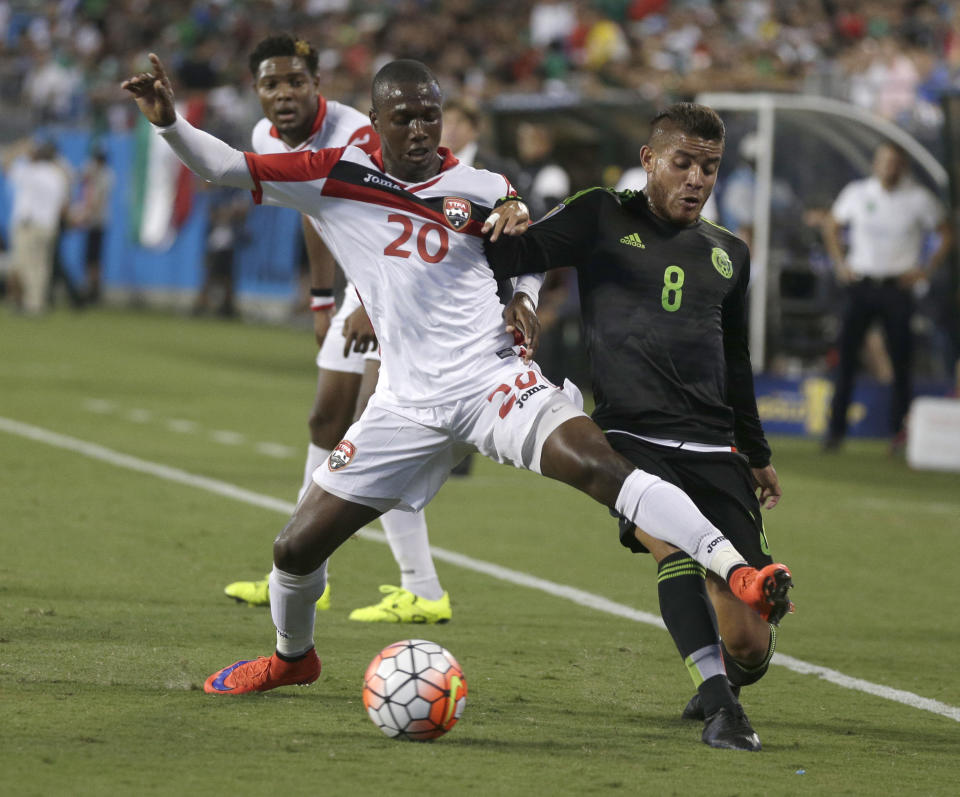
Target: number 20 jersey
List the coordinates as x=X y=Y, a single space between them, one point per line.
x=414 y=253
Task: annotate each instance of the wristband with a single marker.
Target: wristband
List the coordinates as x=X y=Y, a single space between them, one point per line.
x=321 y=299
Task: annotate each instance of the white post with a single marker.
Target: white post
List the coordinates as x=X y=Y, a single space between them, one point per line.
x=760 y=249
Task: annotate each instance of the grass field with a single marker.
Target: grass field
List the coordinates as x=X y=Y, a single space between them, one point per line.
x=112 y=613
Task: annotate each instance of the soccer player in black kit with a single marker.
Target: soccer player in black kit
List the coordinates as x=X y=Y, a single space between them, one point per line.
x=663 y=301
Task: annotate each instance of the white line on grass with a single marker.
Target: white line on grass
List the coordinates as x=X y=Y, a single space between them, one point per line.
x=577 y=596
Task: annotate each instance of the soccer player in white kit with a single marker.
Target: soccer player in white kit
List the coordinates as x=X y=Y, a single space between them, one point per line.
x=297 y=118
x=407 y=226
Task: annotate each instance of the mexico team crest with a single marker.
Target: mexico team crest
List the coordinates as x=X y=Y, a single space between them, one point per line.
x=456 y=211
x=721 y=262
x=342 y=455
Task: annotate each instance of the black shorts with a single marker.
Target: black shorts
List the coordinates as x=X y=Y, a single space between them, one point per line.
x=719 y=483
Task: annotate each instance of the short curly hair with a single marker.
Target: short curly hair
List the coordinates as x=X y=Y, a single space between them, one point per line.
x=283 y=44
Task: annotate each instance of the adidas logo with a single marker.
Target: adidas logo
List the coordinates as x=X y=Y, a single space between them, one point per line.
x=633 y=240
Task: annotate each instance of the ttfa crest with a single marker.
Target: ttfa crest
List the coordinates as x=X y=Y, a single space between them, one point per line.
x=456 y=211
x=342 y=455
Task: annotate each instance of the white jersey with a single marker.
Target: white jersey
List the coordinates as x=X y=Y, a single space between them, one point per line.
x=887 y=228
x=415 y=255
x=336 y=125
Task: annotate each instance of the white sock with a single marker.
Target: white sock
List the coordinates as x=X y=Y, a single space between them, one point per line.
x=667 y=513
x=407 y=534
x=293 y=606
x=315 y=458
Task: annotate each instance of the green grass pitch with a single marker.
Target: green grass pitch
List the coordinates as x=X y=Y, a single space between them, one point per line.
x=112 y=612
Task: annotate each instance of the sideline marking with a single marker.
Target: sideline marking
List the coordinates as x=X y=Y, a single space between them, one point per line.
x=573 y=594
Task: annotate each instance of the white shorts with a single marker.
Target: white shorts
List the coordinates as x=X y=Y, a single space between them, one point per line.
x=330 y=357
x=399 y=456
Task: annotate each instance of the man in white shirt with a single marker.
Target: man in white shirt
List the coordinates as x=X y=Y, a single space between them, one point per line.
x=41 y=190
x=407 y=225
x=889 y=217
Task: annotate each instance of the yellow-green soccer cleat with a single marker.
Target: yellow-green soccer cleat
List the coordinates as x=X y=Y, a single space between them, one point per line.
x=402 y=606
x=257 y=593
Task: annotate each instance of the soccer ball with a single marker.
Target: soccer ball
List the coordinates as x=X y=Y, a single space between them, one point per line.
x=414 y=690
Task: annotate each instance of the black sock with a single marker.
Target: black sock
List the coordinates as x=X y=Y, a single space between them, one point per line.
x=302 y=656
x=684 y=604
x=689 y=617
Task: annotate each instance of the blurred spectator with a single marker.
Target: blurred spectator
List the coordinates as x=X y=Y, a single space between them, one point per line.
x=40 y=194
x=63 y=58
x=542 y=182
x=228 y=212
x=462 y=123
x=889 y=218
x=90 y=213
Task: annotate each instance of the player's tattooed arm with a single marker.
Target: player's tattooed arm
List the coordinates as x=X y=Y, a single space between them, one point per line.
x=521 y=317
x=358 y=333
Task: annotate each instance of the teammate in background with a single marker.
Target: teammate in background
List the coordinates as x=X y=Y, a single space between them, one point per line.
x=663 y=302
x=889 y=216
x=409 y=221
x=298 y=118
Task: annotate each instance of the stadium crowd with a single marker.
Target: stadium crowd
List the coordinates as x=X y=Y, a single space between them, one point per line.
x=62 y=60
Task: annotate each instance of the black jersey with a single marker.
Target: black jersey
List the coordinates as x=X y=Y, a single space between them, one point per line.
x=664 y=315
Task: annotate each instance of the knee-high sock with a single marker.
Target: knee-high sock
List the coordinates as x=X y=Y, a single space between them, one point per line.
x=686 y=611
x=315 y=458
x=667 y=513
x=407 y=535
x=293 y=606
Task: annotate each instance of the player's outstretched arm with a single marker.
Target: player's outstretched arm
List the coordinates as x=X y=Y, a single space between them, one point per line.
x=204 y=155
x=153 y=94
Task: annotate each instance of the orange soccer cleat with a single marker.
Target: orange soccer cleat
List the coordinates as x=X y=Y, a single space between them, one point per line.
x=262 y=674
x=765 y=591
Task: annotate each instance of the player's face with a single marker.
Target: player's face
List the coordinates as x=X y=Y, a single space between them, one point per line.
x=288 y=96
x=681 y=172
x=409 y=120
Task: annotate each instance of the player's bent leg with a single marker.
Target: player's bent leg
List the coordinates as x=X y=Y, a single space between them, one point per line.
x=578 y=454
x=319 y=525
x=746 y=635
x=330 y=416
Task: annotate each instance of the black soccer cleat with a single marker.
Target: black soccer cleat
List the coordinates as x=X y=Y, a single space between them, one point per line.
x=729 y=729
x=694 y=709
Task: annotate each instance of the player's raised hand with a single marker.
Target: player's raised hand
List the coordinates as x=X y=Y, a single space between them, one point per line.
x=522 y=321
x=510 y=218
x=768 y=483
x=153 y=94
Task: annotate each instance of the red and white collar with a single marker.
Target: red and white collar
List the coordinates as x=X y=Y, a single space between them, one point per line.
x=317 y=122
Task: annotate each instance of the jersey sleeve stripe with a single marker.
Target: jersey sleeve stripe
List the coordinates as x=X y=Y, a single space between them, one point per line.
x=257 y=191
x=290 y=167
x=342 y=189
